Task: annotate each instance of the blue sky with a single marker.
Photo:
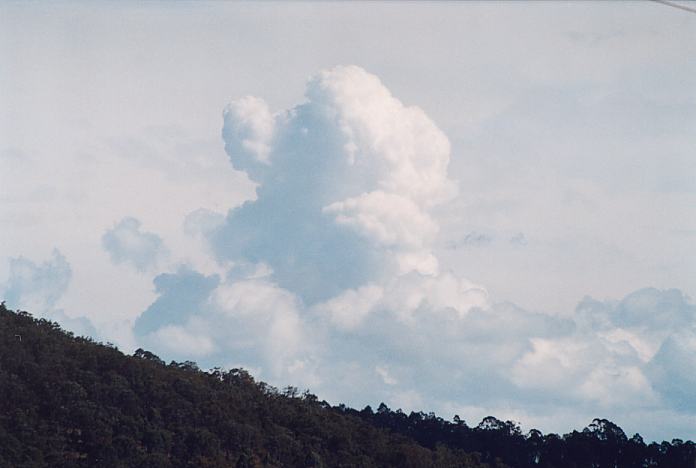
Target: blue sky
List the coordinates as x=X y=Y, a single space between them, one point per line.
x=475 y=208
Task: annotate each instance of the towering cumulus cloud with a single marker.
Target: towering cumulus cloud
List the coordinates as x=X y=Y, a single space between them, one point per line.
x=346 y=184
x=338 y=239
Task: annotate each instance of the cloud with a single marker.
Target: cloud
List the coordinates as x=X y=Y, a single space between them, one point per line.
x=127 y=244
x=347 y=182
x=339 y=235
x=390 y=220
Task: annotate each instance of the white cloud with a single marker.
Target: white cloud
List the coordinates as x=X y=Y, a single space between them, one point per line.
x=389 y=219
x=342 y=222
x=346 y=191
x=399 y=146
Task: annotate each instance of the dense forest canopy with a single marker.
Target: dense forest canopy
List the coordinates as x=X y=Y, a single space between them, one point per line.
x=69 y=401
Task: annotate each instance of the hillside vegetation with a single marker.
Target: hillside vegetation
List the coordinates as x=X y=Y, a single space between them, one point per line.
x=68 y=401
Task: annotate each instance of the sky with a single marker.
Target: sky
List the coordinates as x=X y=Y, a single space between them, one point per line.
x=468 y=208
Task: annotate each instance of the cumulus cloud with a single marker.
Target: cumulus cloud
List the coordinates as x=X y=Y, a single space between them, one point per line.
x=127 y=243
x=400 y=146
x=339 y=236
x=347 y=182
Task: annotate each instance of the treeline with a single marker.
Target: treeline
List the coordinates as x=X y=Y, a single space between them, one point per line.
x=602 y=444
x=67 y=401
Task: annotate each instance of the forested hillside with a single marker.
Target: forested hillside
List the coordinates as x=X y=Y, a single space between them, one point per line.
x=67 y=401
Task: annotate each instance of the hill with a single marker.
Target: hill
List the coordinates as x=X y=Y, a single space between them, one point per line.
x=68 y=401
